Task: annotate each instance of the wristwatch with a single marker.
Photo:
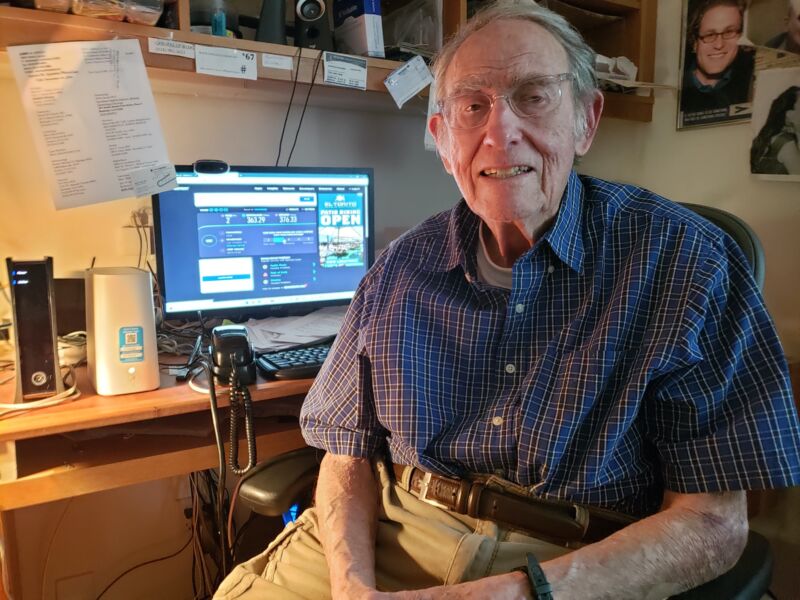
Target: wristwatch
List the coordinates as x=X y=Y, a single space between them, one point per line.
x=539 y=585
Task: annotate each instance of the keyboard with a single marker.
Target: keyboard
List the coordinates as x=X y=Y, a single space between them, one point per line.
x=299 y=363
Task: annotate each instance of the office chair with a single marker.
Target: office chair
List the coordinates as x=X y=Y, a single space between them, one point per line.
x=275 y=485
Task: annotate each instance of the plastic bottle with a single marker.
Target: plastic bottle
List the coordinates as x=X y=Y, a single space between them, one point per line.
x=104 y=9
x=218 y=20
x=145 y=12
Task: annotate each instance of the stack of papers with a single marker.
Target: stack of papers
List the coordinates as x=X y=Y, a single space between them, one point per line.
x=279 y=333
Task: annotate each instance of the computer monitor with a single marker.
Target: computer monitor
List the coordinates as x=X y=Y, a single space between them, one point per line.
x=257 y=241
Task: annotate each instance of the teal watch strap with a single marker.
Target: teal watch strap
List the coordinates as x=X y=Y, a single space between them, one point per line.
x=539 y=584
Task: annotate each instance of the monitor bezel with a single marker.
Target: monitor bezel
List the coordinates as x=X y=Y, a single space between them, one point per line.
x=259 y=312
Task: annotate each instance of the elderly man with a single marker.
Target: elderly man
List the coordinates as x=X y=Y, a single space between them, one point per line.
x=551 y=341
x=718 y=71
x=789 y=40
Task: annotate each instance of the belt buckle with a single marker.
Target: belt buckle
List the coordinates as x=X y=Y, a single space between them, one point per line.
x=423 y=492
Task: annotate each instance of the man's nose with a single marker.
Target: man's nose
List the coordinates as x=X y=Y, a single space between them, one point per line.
x=719 y=42
x=503 y=126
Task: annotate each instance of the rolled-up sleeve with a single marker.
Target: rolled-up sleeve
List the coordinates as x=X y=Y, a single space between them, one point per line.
x=727 y=420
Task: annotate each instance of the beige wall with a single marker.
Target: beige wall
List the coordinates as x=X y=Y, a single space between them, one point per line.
x=706 y=166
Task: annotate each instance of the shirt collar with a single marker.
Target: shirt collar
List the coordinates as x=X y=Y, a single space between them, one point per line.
x=565 y=237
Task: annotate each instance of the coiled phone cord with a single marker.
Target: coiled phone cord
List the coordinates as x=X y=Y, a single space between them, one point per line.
x=241 y=407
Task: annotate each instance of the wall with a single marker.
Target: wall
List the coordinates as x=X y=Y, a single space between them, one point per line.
x=707 y=166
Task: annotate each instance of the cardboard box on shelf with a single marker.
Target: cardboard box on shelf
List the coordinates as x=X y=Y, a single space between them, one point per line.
x=357 y=27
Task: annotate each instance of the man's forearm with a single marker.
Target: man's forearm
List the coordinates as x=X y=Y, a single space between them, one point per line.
x=693 y=539
x=347 y=505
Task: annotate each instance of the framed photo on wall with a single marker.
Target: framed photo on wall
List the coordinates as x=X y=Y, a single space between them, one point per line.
x=775 y=149
x=774 y=24
x=717 y=64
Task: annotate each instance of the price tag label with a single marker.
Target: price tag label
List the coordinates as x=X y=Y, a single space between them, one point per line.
x=226 y=62
x=345 y=70
x=277 y=61
x=159 y=46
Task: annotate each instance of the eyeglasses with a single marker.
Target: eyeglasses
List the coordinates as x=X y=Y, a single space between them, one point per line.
x=713 y=36
x=533 y=98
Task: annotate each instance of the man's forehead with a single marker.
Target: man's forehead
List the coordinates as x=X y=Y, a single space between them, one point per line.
x=503 y=51
x=503 y=69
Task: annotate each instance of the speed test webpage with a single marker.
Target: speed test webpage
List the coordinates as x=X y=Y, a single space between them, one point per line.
x=246 y=239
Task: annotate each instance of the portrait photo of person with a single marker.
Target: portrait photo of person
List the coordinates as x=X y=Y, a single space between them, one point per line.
x=717 y=69
x=776 y=146
x=789 y=39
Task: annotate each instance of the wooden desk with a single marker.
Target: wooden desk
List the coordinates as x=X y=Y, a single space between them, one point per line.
x=98 y=443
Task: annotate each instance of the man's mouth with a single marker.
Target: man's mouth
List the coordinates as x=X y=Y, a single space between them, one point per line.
x=506 y=173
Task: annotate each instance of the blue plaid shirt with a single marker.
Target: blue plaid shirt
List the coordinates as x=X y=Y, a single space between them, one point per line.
x=632 y=354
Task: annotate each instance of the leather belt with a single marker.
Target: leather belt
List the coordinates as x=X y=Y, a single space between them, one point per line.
x=555 y=520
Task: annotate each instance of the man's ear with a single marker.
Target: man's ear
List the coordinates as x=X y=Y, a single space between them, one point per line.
x=593 y=111
x=438 y=129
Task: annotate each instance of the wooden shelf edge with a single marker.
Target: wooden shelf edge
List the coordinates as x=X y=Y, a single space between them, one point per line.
x=92 y=411
x=629 y=107
x=76 y=480
x=21 y=26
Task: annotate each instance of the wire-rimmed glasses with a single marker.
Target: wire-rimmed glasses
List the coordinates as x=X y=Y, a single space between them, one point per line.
x=531 y=98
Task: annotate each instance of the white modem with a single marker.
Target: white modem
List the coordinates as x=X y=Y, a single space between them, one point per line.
x=121 y=331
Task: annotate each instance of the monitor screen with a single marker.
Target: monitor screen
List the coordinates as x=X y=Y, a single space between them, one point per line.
x=263 y=240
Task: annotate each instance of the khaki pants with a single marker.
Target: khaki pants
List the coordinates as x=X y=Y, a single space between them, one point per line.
x=417 y=546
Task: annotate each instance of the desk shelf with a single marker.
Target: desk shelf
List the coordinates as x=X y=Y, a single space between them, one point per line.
x=91 y=411
x=57 y=467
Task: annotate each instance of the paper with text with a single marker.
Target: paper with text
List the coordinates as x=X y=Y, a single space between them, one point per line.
x=345 y=70
x=225 y=62
x=407 y=81
x=93 y=117
x=172 y=47
x=280 y=333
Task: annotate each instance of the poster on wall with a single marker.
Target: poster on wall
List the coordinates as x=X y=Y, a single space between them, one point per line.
x=775 y=149
x=717 y=64
x=774 y=24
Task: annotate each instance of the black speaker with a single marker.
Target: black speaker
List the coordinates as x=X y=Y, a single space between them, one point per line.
x=272 y=22
x=34 y=314
x=312 y=28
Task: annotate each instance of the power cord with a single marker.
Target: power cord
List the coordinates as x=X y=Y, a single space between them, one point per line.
x=149 y=562
x=305 y=105
x=289 y=106
x=241 y=408
x=220 y=524
x=69 y=394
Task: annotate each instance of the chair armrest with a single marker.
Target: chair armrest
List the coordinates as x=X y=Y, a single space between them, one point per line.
x=274 y=485
x=749 y=578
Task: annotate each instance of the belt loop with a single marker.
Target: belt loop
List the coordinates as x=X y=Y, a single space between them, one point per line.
x=402 y=475
x=473 y=500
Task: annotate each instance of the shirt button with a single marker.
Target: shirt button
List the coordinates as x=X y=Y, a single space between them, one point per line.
x=497 y=421
x=500 y=473
x=510 y=368
x=519 y=308
x=550 y=269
